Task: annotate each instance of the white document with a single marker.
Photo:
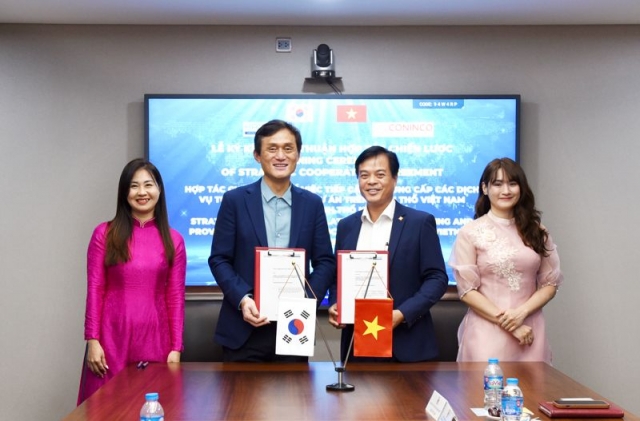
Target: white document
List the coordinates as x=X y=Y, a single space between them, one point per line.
x=361 y=274
x=279 y=274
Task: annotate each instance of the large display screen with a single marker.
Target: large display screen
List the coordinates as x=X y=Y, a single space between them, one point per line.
x=203 y=147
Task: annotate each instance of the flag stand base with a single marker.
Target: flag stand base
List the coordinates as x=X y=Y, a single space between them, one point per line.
x=340 y=386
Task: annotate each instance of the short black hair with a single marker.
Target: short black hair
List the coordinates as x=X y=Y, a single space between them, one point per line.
x=394 y=164
x=272 y=127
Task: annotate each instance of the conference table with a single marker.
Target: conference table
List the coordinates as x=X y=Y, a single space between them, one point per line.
x=297 y=391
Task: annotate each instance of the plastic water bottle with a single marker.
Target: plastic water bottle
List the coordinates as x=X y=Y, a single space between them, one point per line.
x=512 y=401
x=151 y=410
x=493 y=380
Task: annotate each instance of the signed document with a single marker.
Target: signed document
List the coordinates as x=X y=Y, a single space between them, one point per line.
x=279 y=274
x=361 y=274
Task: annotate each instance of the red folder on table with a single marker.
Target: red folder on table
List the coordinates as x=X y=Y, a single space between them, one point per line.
x=550 y=410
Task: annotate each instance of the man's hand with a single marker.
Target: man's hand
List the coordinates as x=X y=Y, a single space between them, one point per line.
x=333 y=317
x=250 y=313
x=397 y=318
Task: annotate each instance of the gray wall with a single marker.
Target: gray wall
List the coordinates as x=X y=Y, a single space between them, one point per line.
x=71 y=115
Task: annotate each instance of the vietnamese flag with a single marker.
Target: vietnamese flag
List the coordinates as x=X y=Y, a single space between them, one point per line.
x=373 y=327
x=352 y=114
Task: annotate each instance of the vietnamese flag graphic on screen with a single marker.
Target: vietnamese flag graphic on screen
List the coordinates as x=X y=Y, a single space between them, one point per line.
x=352 y=114
x=372 y=327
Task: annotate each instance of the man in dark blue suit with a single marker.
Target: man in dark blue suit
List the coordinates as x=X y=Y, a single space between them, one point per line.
x=271 y=212
x=417 y=276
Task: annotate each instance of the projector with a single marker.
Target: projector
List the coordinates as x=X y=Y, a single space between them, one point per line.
x=322 y=65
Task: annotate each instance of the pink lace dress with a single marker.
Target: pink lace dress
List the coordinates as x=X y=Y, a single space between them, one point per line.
x=489 y=256
x=136 y=309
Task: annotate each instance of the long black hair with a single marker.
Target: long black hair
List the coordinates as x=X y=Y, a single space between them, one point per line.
x=527 y=217
x=121 y=226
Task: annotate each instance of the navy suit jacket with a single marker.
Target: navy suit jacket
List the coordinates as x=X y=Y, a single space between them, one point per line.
x=417 y=279
x=240 y=229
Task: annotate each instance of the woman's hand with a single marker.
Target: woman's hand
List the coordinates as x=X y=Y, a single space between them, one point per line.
x=96 y=360
x=524 y=335
x=174 y=357
x=512 y=319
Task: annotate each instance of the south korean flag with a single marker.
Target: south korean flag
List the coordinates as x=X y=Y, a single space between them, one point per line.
x=296 y=332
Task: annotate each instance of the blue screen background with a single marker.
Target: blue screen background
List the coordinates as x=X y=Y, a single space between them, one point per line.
x=203 y=146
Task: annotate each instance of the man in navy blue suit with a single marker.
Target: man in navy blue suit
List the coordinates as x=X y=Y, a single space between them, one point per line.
x=271 y=212
x=417 y=276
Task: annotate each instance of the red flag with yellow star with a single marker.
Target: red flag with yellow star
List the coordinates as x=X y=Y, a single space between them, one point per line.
x=373 y=327
x=351 y=114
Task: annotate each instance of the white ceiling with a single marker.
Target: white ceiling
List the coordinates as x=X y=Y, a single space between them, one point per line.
x=322 y=12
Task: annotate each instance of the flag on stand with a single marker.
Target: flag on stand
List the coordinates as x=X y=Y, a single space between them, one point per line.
x=373 y=327
x=296 y=331
x=351 y=114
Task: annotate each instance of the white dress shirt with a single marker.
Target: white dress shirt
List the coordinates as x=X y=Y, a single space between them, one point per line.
x=375 y=235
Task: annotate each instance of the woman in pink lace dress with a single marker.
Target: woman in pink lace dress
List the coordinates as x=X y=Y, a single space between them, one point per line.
x=506 y=268
x=135 y=282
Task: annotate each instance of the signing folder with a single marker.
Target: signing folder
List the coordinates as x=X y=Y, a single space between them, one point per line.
x=361 y=274
x=552 y=411
x=279 y=273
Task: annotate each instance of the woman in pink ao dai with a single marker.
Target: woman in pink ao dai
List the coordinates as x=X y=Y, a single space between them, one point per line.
x=135 y=283
x=507 y=269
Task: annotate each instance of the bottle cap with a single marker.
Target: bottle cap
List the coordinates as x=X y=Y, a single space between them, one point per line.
x=512 y=381
x=493 y=361
x=151 y=396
